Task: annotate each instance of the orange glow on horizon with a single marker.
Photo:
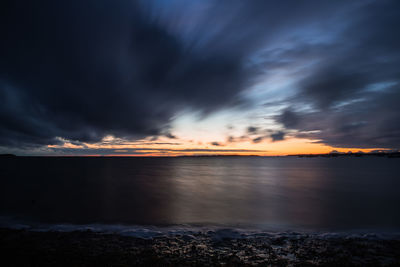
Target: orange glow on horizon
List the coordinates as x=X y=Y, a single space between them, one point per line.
x=163 y=148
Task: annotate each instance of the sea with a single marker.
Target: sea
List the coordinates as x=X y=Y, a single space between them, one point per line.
x=340 y=194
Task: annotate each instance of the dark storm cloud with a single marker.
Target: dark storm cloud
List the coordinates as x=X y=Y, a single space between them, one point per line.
x=258 y=139
x=170 y=136
x=371 y=122
x=216 y=143
x=278 y=136
x=233 y=139
x=275 y=136
x=288 y=118
x=82 y=70
x=353 y=89
x=252 y=130
x=367 y=52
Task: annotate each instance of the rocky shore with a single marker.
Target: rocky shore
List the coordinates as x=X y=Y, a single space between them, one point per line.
x=212 y=248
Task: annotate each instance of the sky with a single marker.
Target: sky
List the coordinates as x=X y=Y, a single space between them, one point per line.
x=174 y=77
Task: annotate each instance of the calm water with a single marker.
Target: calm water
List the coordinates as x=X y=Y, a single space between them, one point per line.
x=286 y=193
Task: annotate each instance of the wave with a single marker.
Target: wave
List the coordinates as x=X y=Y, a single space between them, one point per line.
x=186 y=231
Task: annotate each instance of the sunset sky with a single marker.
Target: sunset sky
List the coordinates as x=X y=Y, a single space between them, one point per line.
x=169 y=78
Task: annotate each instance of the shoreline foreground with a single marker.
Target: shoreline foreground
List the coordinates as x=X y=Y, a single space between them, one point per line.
x=213 y=248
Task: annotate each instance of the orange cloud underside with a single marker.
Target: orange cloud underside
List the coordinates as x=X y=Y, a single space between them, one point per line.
x=192 y=147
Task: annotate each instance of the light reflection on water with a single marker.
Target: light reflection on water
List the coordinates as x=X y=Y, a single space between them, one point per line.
x=314 y=193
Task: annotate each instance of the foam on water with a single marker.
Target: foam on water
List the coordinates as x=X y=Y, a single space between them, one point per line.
x=216 y=233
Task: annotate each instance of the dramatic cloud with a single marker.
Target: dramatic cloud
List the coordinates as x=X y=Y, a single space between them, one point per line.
x=83 y=70
x=252 y=130
x=274 y=136
x=216 y=143
x=373 y=121
x=353 y=89
x=147 y=151
x=258 y=139
x=278 y=136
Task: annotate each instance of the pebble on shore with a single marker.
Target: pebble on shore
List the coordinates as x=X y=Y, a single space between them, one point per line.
x=87 y=248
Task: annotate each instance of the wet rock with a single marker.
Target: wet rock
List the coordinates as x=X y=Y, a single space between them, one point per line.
x=96 y=249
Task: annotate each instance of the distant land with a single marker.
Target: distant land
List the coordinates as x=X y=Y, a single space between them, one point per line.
x=333 y=154
x=7 y=155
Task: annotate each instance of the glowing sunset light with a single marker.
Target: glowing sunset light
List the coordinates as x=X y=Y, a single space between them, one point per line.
x=163 y=78
x=200 y=132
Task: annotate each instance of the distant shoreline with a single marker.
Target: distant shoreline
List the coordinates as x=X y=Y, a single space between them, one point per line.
x=356 y=154
x=324 y=155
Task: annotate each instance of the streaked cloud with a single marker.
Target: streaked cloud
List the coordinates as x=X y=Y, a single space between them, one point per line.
x=250 y=76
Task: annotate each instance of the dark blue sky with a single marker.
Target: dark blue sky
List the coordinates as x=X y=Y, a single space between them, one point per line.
x=78 y=72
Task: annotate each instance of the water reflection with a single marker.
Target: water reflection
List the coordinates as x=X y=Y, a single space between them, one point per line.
x=291 y=193
x=248 y=191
